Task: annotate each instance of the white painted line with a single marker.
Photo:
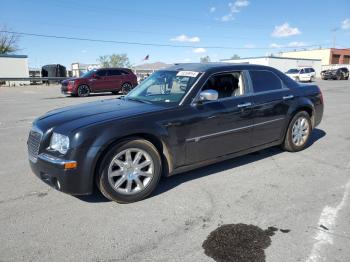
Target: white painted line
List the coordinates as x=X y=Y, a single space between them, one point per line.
x=328 y=218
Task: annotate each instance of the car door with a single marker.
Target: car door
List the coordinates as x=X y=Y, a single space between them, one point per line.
x=305 y=74
x=99 y=82
x=221 y=127
x=271 y=100
x=115 y=78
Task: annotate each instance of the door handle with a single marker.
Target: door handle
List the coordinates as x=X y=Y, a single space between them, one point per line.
x=288 y=97
x=244 y=105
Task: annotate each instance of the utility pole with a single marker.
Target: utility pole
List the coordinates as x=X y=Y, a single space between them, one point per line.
x=334 y=30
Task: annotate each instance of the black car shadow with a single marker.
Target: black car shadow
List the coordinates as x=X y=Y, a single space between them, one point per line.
x=176 y=180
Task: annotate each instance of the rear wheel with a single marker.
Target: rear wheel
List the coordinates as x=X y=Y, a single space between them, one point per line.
x=126 y=88
x=298 y=132
x=130 y=171
x=83 y=91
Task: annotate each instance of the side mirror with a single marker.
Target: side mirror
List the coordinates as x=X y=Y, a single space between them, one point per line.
x=208 y=95
x=95 y=76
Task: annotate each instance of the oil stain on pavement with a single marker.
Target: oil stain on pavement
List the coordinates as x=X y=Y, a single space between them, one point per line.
x=238 y=243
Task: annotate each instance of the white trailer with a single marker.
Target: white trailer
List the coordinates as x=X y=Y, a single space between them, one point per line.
x=15 y=66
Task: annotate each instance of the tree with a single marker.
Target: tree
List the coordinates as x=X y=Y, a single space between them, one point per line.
x=8 y=42
x=205 y=59
x=235 y=56
x=114 y=60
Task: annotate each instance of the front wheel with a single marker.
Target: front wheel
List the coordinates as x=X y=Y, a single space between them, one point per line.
x=83 y=91
x=298 y=132
x=126 y=88
x=130 y=171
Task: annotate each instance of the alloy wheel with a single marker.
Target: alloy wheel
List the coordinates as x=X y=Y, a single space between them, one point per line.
x=131 y=171
x=126 y=88
x=83 y=90
x=300 y=131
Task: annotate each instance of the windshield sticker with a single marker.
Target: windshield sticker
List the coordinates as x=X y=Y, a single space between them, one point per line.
x=187 y=73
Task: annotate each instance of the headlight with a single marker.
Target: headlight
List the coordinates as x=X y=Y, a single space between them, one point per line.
x=71 y=82
x=59 y=143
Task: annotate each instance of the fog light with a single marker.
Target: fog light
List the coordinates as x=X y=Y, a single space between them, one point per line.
x=70 y=165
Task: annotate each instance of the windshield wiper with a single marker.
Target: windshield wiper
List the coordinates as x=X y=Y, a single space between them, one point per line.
x=137 y=100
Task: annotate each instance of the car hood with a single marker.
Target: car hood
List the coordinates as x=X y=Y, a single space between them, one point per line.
x=70 y=118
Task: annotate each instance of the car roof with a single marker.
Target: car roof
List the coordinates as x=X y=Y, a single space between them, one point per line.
x=213 y=67
x=113 y=68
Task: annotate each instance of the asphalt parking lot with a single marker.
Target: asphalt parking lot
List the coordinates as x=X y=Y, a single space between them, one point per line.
x=306 y=194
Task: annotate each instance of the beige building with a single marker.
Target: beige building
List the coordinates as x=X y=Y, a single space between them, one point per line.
x=281 y=63
x=328 y=56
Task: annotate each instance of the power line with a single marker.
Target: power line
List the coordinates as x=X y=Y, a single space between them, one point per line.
x=147 y=44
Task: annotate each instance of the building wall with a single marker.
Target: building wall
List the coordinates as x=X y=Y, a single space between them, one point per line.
x=323 y=54
x=282 y=64
x=14 y=66
x=328 y=56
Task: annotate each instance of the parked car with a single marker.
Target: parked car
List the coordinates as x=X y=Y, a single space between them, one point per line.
x=302 y=74
x=160 y=128
x=335 y=74
x=113 y=80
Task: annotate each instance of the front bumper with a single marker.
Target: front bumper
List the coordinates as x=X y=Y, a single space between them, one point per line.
x=65 y=90
x=51 y=170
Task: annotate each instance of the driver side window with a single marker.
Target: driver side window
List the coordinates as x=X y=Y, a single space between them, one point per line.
x=227 y=85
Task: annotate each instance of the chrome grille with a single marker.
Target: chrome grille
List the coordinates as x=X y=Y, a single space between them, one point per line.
x=34 y=140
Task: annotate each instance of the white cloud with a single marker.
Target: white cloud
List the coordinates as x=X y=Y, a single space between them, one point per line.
x=285 y=30
x=199 y=50
x=346 y=24
x=296 y=44
x=249 y=46
x=234 y=7
x=185 y=38
x=227 y=18
x=274 y=45
x=212 y=9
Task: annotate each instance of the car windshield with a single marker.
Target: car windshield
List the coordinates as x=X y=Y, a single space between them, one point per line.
x=164 y=87
x=293 y=71
x=89 y=73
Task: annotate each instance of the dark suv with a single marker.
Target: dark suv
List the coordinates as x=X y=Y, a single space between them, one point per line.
x=113 y=80
x=335 y=74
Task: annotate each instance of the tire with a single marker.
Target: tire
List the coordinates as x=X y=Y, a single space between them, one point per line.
x=134 y=181
x=291 y=142
x=83 y=91
x=126 y=88
x=339 y=77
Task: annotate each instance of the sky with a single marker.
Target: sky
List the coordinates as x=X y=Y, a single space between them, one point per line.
x=197 y=28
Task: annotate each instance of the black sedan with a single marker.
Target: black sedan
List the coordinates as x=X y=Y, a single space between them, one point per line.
x=178 y=119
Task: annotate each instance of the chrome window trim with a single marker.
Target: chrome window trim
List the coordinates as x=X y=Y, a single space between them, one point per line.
x=198 y=138
x=245 y=85
x=190 y=90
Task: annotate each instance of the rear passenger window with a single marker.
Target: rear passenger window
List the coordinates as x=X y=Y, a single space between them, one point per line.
x=114 y=72
x=265 y=81
x=101 y=72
